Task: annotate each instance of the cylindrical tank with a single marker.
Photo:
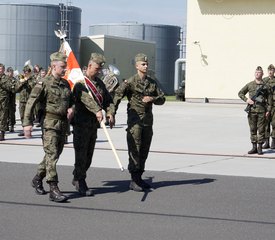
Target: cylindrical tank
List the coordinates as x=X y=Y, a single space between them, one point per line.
x=166 y=38
x=27 y=33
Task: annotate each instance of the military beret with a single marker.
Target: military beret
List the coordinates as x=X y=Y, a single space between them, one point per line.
x=9 y=69
x=271 y=67
x=98 y=58
x=58 y=56
x=141 y=57
x=259 y=68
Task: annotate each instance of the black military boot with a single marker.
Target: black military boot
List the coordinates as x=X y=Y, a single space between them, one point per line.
x=55 y=194
x=37 y=184
x=82 y=188
x=260 y=149
x=2 y=136
x=21 y=134
x=136 y=183
x=272 y=146
x=144 y=184
x=11 y=128
x=254 y=149
x=266 y=144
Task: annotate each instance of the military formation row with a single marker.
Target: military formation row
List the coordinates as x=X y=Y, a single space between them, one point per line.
x=259 y=95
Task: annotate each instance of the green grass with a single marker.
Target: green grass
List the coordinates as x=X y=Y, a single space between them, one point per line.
x=171 y=98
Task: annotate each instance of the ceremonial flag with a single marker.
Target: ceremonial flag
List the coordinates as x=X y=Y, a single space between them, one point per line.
x=74 y=73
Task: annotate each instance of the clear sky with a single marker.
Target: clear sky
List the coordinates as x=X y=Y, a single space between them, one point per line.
x=171 y=12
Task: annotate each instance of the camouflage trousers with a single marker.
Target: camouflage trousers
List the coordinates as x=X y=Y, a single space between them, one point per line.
x=4 y=113
x=84 y=139
x=22 y=106
x=270 y=122
x=53 y=143
x=12 y=110
x=139 y=140
x=257 y=125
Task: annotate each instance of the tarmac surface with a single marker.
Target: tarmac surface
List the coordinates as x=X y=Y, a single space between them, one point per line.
x=205 y=186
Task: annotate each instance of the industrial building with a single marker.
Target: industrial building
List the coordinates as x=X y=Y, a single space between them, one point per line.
x=166 y=38
x=120 y=52
x=27 y=32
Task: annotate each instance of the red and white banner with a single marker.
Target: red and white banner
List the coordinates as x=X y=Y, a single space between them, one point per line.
x=74 y=73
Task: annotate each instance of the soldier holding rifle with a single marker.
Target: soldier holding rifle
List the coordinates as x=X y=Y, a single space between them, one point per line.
x=259 y=105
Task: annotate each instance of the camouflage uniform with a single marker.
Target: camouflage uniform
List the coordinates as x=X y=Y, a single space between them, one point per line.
x=256 y=117
x=140 y=118
x=12 y=106
x=7 y=87
x=24 y=96
x=85 y=125
x=55 y=95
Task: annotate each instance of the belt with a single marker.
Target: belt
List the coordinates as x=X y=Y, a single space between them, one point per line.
x=55 y=116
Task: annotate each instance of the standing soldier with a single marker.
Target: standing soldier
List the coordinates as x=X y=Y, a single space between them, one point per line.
x=55 y=94
x=259 y=106
x=142 y=92
x=6 y=87
x=88 y=115
x=12 y=101
x=270 y=80
x=25 y=91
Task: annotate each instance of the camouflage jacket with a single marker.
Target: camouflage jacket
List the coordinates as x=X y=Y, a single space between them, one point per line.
x=271 y=83
x=56 y=97
x=135 y=89
x=9 y=85
x=85 y=105
x=263 y=102
x=26 y=89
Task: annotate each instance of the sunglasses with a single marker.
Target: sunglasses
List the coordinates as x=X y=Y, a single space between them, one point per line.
x=143 y=64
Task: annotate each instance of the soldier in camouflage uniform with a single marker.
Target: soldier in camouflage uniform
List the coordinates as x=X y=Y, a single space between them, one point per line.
x=142 y=92
x=25 y=91
x=270 y=121
x=87 y=116
x=12 y=101
x=7 y=86
x=258 y=109
x=55 y=94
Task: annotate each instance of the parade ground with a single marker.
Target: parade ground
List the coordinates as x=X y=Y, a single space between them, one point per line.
x=205 y=185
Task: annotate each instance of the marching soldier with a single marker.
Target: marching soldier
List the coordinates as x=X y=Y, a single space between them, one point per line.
x=142 y=92
x=88 y=115
x=270 y=80
x=259 y=103
x=55 y=94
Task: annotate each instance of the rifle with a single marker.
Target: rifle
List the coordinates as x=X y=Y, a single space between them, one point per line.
x=256 y=98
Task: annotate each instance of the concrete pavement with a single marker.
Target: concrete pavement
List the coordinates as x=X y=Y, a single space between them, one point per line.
x=188 y=137
x=205 y=186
